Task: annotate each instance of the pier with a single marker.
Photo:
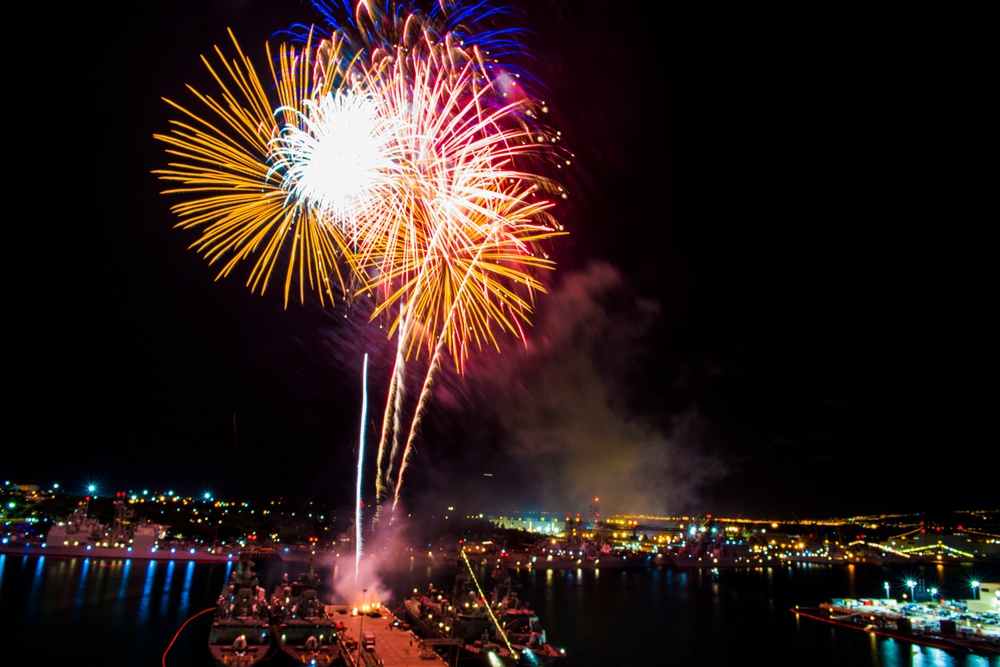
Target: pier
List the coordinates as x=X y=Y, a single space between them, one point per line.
x=393 y=647
x=926 y=624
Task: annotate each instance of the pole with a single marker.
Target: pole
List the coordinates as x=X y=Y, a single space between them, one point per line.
x=361 y=625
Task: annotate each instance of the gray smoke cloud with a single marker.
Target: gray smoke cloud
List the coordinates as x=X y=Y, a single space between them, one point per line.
x=577 y=411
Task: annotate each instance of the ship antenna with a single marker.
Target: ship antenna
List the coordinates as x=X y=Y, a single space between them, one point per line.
x=236 y=443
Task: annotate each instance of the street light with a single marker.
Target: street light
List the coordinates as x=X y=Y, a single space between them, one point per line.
x=975 y=590
x=912 y=584
x=361 y=625
x=886 y=590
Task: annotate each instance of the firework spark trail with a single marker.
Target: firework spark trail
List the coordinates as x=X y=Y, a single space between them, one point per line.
x=425 y=393
x=428 y=380
x=390 y=425
x=361 y=459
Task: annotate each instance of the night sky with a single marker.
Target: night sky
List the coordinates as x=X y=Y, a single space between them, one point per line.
x=774 y=300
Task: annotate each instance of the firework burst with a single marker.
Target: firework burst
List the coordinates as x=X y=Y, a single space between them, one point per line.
x=396 y=155
x=461 y=244
x=338 y=160
x=231 y=192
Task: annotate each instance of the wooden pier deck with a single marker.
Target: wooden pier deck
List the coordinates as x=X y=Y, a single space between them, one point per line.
x=394 y=647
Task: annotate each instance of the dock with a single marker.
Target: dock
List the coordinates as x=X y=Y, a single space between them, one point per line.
x=394 y=646
x=918 y=623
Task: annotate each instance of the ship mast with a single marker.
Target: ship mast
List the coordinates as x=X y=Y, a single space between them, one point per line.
x=121 y=530
x=595 y=513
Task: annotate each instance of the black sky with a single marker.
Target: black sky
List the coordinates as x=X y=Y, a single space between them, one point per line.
x=775 y=299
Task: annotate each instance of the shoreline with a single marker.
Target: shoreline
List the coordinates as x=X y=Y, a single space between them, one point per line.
x=77 y=551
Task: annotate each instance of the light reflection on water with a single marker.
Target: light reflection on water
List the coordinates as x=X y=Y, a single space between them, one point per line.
x=127 y=612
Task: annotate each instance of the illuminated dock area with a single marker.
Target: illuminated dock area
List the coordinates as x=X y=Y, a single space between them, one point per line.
x=394 y=647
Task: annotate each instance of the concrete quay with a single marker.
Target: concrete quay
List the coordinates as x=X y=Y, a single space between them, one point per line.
x=394 y=647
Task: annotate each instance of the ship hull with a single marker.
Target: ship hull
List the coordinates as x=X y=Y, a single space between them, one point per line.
x=302 y=623
x=228 y=651
x=241 y=634
x=515 y=561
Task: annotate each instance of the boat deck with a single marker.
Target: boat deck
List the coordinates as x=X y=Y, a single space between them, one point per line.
x=394 y=647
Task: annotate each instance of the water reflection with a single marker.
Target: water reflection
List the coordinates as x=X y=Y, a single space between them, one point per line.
x=186 y=587
x=127 y=609
x=147 y=590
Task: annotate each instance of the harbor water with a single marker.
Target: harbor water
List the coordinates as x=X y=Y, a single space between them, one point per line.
x=96 y=611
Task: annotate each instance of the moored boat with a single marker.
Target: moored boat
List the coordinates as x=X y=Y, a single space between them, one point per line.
x=82 y=535
x=241 y=633
x=502 y=628
x=301 y=621
x=573 y=556
x=518 y=626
